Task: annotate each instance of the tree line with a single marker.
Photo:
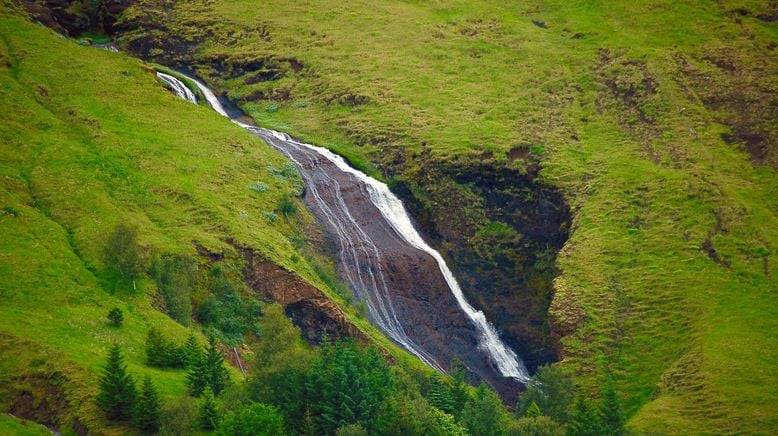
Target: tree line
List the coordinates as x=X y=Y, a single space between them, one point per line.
x=338 y=388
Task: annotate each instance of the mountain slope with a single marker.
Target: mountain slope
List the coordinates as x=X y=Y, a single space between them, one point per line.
x=655 y=120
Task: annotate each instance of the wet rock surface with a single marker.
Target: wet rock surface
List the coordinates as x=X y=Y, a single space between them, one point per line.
x=409 y=298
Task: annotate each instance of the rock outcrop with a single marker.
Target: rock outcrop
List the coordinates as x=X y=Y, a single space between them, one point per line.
x=75 y=18
x=310 y=309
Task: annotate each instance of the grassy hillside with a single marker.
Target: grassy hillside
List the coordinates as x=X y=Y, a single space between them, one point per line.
x=89 y=139
x=15 y=426
x=655 y=119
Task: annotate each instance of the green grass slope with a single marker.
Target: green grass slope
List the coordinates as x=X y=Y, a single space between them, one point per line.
x=15 y=426
x=656 y=119
x=89 y=139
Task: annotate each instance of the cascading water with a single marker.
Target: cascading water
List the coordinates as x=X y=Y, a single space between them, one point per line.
x=178 y=87
x=386 y=262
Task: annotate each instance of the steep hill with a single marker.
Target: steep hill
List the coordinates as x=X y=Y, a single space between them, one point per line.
x=600 y=175
x=654 y=122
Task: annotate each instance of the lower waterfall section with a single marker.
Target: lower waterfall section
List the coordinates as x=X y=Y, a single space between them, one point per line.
x=408 y=289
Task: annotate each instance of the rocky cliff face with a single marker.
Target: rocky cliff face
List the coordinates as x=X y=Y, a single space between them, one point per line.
x=73 y=18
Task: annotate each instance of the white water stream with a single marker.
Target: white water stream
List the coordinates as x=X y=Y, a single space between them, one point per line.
x=505 y=360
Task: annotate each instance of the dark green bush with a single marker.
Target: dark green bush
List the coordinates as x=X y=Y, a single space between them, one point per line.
x=116 y=317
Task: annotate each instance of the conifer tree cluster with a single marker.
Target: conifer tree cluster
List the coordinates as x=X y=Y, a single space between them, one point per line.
x=548 y=407
x=340 y=388
x=162 y=352
x=119 y=399
x=207 y=371
x=605 y=418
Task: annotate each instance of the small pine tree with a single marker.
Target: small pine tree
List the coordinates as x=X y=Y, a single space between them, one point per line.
x=117 y=388
x=459 y=389
x=197 y=378
x=155 y=348
x=191 y=350
x=116 y=317
x=147 y=409
x=440 y=395
x=584 y=420
x=162 y=352
x=551 y=390
x=209 y=416
x=217 y=375
x=484 y=414
x=610 y=411
x=533 y=411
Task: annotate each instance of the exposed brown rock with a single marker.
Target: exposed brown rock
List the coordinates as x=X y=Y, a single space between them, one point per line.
x=309 y=308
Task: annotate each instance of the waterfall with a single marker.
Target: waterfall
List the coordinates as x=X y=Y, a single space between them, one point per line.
x=359 y=250
x=178 y=87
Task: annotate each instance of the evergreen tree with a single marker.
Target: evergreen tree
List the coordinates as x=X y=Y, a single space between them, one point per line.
x=217 y=375
x=155 y=348
x=484 y=414
x=440 y=394
x=208 y=371
x=197 y=377
x=191 y=350
x=459 y=389
x=162 y=352
x=116 y=317
x=346 y=385
x=551 y=390
x=147 y=408
x=533 y=411
x=400 y=415
x=610 y=410
x=584 y=420
x=117 y=388
x=209 y=416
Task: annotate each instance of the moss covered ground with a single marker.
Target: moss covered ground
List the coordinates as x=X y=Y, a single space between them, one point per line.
x=655 y=119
